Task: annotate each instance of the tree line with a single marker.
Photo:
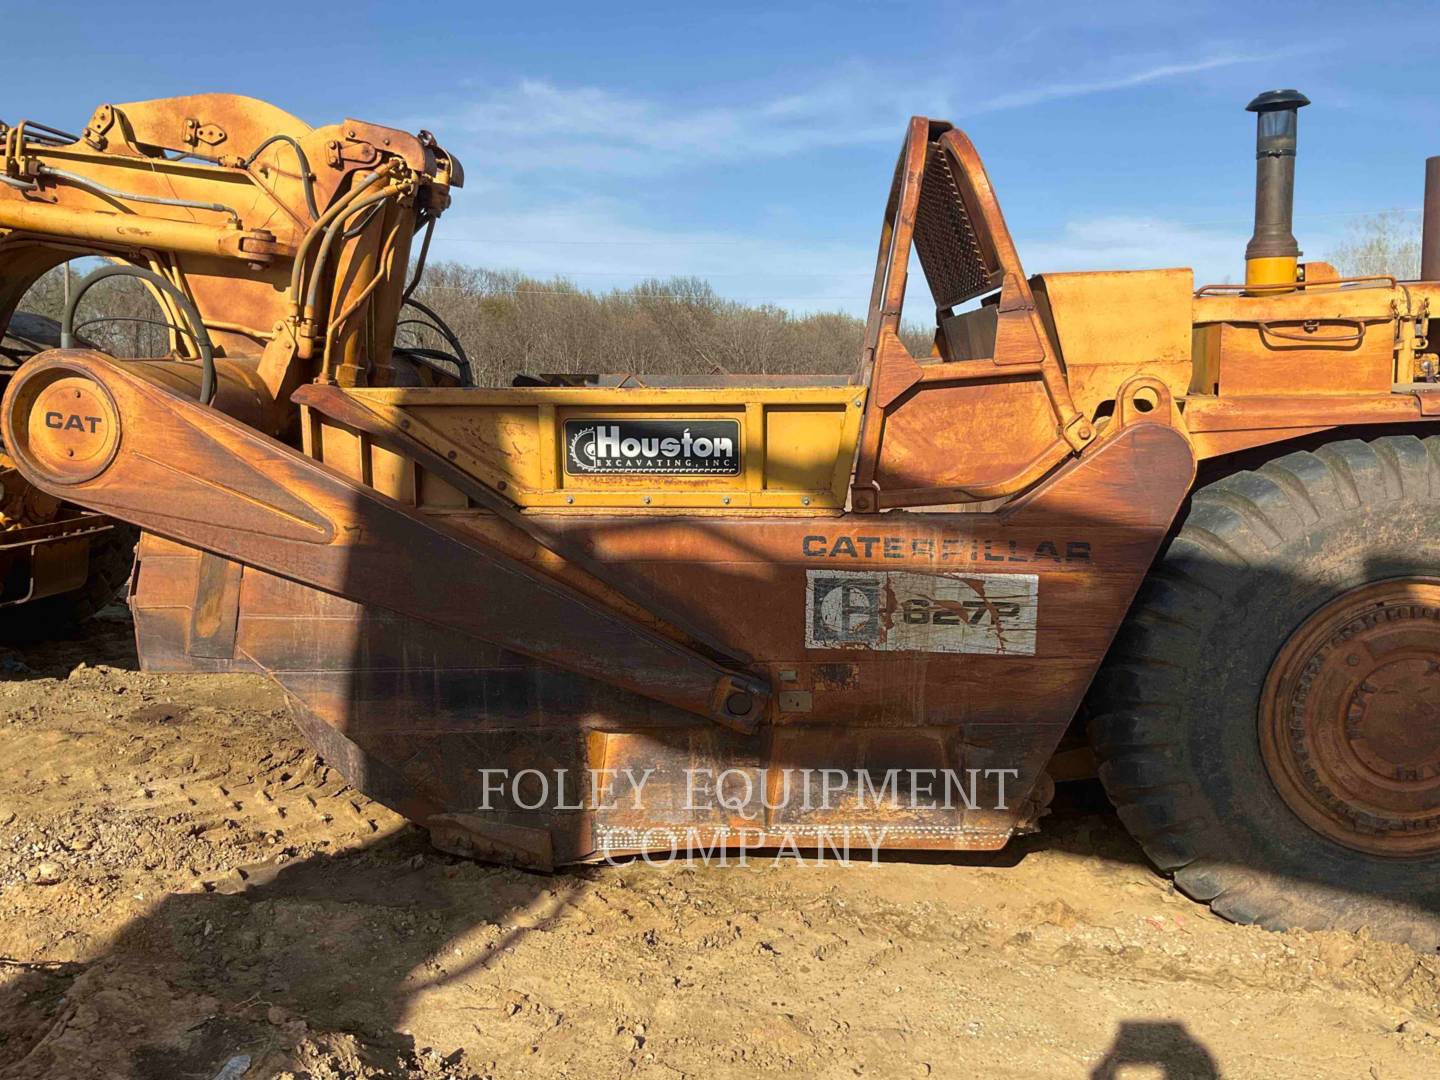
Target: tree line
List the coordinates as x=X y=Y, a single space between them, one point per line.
x=509 y=323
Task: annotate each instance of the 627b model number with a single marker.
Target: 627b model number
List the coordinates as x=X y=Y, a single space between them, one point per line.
x=921 y=611
x=903 y=611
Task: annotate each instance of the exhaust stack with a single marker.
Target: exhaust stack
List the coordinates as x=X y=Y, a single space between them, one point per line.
x=1430 y=225
x=1272 y=256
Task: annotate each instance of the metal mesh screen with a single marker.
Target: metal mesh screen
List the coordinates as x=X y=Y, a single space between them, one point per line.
x=954 y=262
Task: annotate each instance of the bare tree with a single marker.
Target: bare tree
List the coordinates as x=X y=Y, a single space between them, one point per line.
x=119 y=316
x=1384 y=243
x=510 y=323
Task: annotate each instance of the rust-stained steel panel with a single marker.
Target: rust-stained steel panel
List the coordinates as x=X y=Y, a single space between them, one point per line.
x=424 y=709
x=240 y=494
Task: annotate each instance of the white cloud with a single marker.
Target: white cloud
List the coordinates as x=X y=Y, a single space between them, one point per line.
x=594 y=242
x=1117 y=81
x=1118 y=242
x=538 y=125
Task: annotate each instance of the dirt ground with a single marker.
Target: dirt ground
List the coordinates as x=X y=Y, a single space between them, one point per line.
x=186 y=891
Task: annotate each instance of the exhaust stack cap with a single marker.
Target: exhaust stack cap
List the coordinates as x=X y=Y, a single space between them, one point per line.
x=1275 y=100
x=1270 y=256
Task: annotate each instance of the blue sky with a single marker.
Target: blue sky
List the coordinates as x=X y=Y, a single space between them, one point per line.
x=752 y=144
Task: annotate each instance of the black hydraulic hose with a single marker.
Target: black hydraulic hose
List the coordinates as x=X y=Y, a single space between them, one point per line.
x=467 y=373
x=460 y=365
x=198 y=332
x=434 y=358
x=305 y=177
x=165 y=324
x=420 y=262
x=31 y=125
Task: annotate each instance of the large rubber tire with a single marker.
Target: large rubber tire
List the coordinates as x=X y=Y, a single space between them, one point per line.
x=1175 y=709
x=112 y=555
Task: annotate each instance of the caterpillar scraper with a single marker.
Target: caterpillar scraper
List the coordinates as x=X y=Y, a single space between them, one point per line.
x=1194 y=532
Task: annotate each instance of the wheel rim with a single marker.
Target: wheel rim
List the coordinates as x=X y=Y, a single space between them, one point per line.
x=1350 y=719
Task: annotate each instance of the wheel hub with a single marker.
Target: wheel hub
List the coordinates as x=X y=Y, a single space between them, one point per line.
x=1350 y=719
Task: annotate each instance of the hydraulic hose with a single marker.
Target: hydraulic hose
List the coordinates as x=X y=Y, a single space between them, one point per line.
x=197 y=330
x=307 y=181
x=297 y=269
x=440 y=326
x=132 y=196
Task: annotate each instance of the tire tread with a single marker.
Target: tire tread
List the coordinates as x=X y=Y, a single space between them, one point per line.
x=1142 y=690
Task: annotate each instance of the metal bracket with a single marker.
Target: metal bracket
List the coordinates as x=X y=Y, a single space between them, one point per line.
x=196 y=132
x=101 y=122
x=1427 y=396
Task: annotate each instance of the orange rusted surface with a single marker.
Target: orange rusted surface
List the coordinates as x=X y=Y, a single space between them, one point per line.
x=1349 y=728
x=916 y=572
x=216 y=194
x=428 y=704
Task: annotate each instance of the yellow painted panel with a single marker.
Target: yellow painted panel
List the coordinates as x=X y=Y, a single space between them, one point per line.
x=341 y=450
x=436 y=494
x=502 y=437
x=1113 y=325
x=801 y=442
x=796 y=444
x=392 y=475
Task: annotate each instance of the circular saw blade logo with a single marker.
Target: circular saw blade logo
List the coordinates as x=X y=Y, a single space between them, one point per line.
x=680 y=446
x=582 y=448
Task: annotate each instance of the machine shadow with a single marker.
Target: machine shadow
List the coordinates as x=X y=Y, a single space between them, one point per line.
x=310 y=967
x=1167 y=1045
x=336 y=947
x=108 y=638
x=322 y=963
